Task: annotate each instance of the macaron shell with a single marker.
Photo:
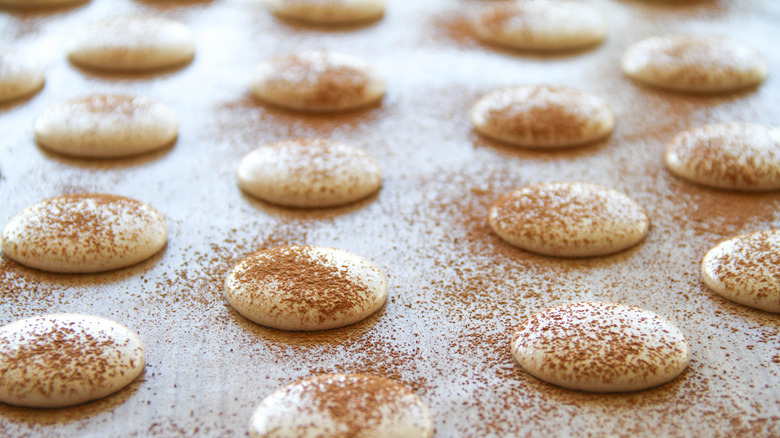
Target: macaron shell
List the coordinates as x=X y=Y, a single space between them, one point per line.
x=333 y=12
x=746 y=269
x=305 y=288
x=131 y=44
x=309 y=173
x=736 y=156
x=542 y=116
x=84 y=233
x=340 y=405
x=569 y=219
x=600 y=347
x=106 y=126
x=694 y=63
x=63 y=360
x=541 y=25
x=318 y=81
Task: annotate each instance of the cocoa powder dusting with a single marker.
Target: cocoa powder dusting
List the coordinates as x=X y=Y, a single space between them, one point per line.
x=740 y=156
x=306 y=281
x=458 y=291
x=126 y=105
x=497 y=17
x=356 y=402
x=326 y=84
x=569 y=218
x=604 y=343
x=59 y=359
x=751 y=263
x=544 y=115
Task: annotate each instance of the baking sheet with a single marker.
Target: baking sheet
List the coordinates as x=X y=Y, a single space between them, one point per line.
x=456 y=290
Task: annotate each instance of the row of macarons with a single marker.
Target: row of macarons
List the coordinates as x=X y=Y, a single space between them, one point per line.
x=86 y=233
x=695 y=63
x=64 y=360
x=43 y=357
x=536 y=25
x=588 y=346
x=572 y=345
x=331 y=12
x=729 y=155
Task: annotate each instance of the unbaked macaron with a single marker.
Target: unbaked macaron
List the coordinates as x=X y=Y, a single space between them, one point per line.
x=569 y=219
x=305 y=288
x=737 y=156
x=131 y=44
x=600 y=347
x=106 y=126
x=319 y=81
x=309 y=173
x=342 y=405
x=61 y=360
x=746 y=269
x=541 y=25
x=694 y=63
x=84 y=233
x=540 y=116
x=20 y=75
x=330 y=12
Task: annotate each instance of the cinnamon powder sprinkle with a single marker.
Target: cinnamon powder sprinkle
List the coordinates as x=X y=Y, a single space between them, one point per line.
x=126 y=105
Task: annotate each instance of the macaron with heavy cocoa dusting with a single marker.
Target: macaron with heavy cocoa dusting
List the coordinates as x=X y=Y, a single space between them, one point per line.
x=342 y=405
x=305 y=288
x=63 y=360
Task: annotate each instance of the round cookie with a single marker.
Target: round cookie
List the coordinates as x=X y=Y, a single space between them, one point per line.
x=309 y=173
x=541 y=25
x=694 y=63
x=84 y=233
x=105 y=126
x=19 y=76
x=317 y=81
x=305 y=288
x=542 y=116
x=63 y=360
x=746 y=269
x=600 y=347
x=342 y=405
x=331 y=12
x=131 y=44
x=739 y=156
x=569 y=219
